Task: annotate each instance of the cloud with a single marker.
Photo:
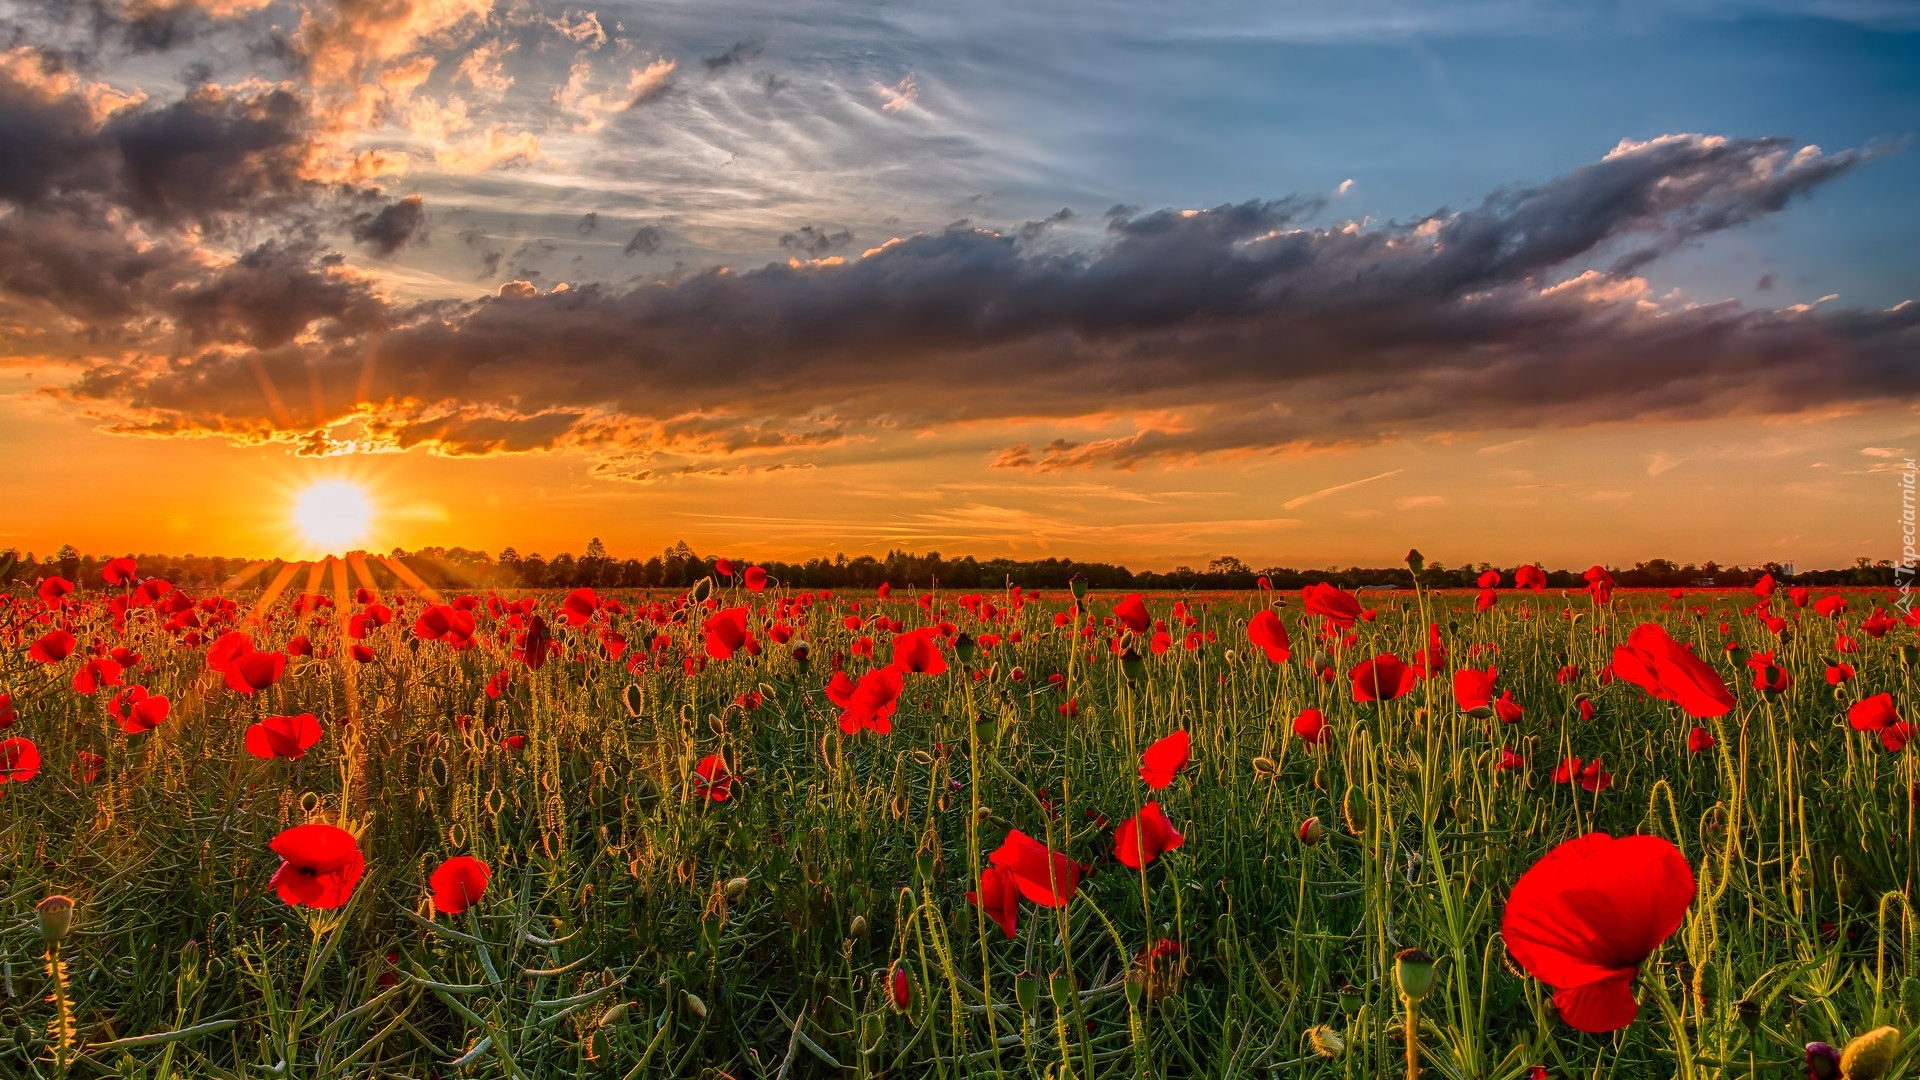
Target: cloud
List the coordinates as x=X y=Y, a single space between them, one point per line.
x=899 y=96
x=814 y=242
x=395 y=226
x=739 y=54
x=1302 y=500
x=1240 y=329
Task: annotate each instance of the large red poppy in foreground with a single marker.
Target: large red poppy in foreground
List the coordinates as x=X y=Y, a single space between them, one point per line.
x=1586 y=916
x=323 y=864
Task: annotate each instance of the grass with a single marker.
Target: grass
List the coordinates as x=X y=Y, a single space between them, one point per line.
x=612 y=944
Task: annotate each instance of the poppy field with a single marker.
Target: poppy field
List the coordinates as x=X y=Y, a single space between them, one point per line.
x=748 y=830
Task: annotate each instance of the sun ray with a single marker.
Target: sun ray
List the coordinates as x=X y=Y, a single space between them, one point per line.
x=243 y=575
x=274 y=589
x=358 y=561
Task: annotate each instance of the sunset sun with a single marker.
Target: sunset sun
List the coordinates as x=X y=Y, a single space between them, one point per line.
x=332 y=515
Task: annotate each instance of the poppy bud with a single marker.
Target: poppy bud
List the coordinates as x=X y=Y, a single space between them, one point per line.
x=1823 y=1062
x=901 y=988
x=984 y=814
x=1079 y=586
x=921 y=757
x=1135 y=668
x=800 y=650
x=694 y=1005
x=963 y=647
x=1026 y=991
x=1018 y=674
x=1749 y=1012
x=1869 y=1056
x=1264 y=767
x=1416 y=561
x=615 y=1015
x=1413 y=969
x=700 y=591
x=984 y=728
x=1909 y=654
x=22 y=1034
x=1312 y=832
x=437 y=768
x=1480 y=712
x=1354 y=809
x=632 y=698
x=923 y=861
x=858 y=927
x=736 y=888
x=55 y=915
x=1320 y=662
x=1326 y=1041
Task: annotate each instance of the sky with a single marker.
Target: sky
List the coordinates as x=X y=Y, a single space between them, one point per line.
x=1306 y=284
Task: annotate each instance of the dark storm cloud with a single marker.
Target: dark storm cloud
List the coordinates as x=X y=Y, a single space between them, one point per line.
x=393 y=227
x=1247 y=326
x=738 y=54
x=814 y=242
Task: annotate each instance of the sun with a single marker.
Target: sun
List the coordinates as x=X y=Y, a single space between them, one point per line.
x=332 y=515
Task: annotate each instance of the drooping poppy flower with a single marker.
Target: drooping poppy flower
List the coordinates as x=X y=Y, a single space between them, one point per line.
x=999 y=897
x=19 y=760
x=1044 y=876
x=1165 y=758
x=1382 y=678
x=534 y=643
x=1329 y=601
x=1508 y=710
x=52 y=647
x=874 y=701
x=723 y=567
x=918 y=653
x=1873 y=714
x=458 y=883
x=1594 y=777
x=283 y=736
x=1310 y=726
x=726 y=633
x=1488 y=579
x=711 y=778
x=253 y=672
x=1269 y=634
x=1589 y=913
x=579 y=606
x=1699 y=741
x=1669 y=671
x=1144 y=837
x=1132 y=613
x=1486 y=600
x=321 y=866
x=137 y=710
x=755 y=578
x=1530 y=577
x=1764 y=587
x=119 y=571
x=1600 y=583
x=1473 y=688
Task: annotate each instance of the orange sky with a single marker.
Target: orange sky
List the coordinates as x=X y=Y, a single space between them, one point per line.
x=1813 y=491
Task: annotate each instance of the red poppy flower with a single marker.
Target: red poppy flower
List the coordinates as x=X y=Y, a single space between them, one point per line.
x=86 y=766
x=755 y=578
x=19 y=760
x=321 y=866
x=1508 y=710
x=1165 y=758
x=283 y=736
x=1600 y=583
x=711 y=778
x=579 y=606
x=1595 y=778
x=1839 y=673
x=1873 y=714
x=1145 y=837
x=458 y=883
x=514 y=743
x=1669 y=671
x=1266 y=631
x=874 y=701
x=94 y=674
x=1043 y=875
x=723 y=567
x=1328 y=601
x=444 y=622
x=1382 y=678
x=999 y=897
x=137 y=710
x=840 y=689
x=1586 y=916
x=726 y=633
x=918 y=653
x=1486 y=599
x=1509 y=760
x=1566 y=771
x=52 y=647
x=1699 y=740
x=119 y=571
x=1896 y=736
x=54 y=589
x=1132 y=613
x=499 y=683
x=1310 y=726
x=1530 y=577
x=1489 y=579
x=7 y=712
x=1768 y=676
x=255 y=671
x=1830 y=606
x=534 y=643
x=1473 y=688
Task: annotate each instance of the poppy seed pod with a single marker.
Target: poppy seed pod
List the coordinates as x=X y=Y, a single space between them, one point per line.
x=1026 y=991
x=1869 y=1056
x=1061 y=988
x=1413 y=969
x=55 y=915
x=1416 y=561
x=1351 y=997
x=1079 y=586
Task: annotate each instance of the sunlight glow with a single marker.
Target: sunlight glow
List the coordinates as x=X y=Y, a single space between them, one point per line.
x=332 y=515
